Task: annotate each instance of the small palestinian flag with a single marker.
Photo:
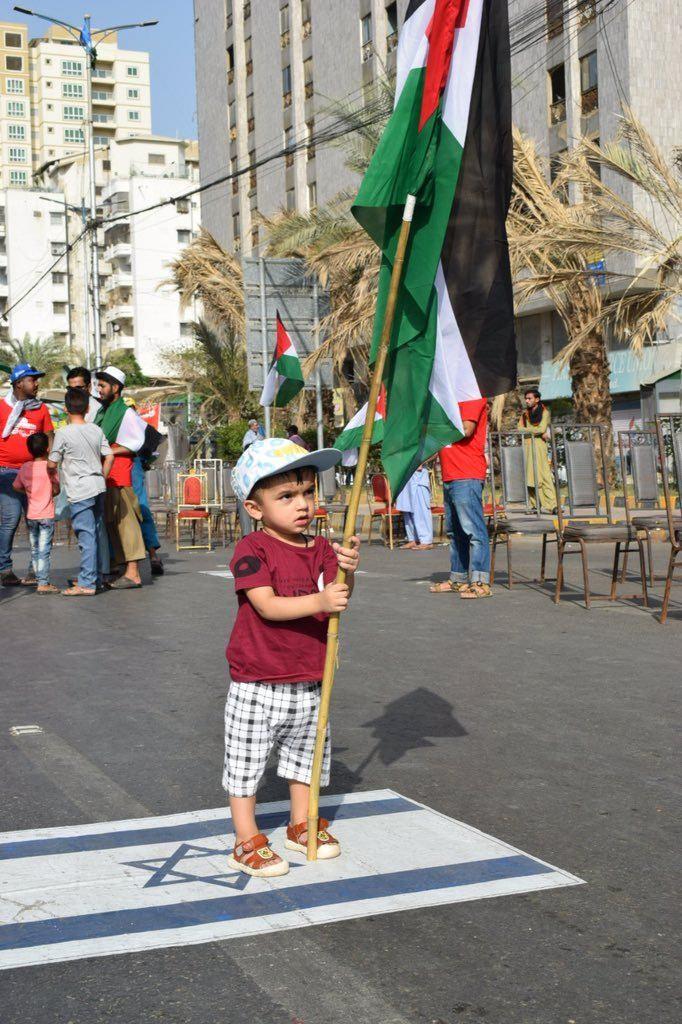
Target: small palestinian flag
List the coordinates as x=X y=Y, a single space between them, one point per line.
x=352 y=433
x=449 y=144
x=285 y=378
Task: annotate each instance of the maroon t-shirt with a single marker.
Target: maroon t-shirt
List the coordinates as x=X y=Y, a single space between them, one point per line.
x=279 y=652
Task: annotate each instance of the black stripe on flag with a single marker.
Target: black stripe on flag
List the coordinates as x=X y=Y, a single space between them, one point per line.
x=475 y=252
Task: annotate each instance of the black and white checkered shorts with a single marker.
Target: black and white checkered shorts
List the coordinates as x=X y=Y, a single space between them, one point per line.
x=261 y=717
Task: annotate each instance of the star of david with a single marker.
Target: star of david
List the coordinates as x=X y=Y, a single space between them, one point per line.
x=166 y=871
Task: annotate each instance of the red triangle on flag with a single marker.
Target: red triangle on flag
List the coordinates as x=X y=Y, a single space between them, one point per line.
x=448 y=16
x=283 y=339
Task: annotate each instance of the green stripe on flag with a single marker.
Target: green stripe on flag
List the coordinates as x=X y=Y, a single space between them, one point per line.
x=425 y=164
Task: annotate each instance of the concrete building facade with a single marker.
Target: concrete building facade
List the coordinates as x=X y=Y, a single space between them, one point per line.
x=16 y=157
x=265 y=81
x=32 y=234
x=134 y=250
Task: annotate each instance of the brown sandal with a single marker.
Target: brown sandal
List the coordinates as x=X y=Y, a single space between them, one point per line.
x=297 y=839
x=447 y=587
x=475 y=591
x=76 y=591
x=255 y=857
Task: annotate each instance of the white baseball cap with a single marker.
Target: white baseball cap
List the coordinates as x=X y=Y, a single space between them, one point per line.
x=276 y=455
x=112 y=374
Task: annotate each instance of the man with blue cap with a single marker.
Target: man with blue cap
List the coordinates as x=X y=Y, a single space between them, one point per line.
x=21 y=415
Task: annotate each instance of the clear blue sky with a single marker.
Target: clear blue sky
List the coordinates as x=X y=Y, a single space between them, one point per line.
x=170 y=45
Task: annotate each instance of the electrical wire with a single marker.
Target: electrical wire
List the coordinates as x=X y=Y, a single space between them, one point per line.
x=69 y=248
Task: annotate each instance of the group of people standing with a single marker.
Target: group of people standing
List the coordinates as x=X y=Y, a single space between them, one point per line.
x=89 y=470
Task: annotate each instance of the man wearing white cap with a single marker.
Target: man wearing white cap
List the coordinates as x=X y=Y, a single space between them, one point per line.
x=125 y=431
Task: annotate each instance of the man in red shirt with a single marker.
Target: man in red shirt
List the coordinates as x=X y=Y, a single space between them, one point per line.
x=21 y=415
x=464 y=467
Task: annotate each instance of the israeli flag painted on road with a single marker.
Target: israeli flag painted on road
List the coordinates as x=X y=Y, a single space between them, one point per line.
x=124 y=886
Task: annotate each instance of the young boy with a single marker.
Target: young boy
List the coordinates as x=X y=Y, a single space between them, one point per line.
x=40 y=484
x=284 y=580
x=80 y=447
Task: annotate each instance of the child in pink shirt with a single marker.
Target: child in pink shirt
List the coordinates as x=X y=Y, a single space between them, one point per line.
x=39 y=484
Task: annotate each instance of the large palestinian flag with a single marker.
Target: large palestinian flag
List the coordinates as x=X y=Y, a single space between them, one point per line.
x=285 y=377
x=351 y=436
x=449 y=143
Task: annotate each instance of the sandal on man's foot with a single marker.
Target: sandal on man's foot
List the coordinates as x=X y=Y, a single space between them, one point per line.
x=28 y=581
x=47 y=588
x=255 y=857
x=297 y=839
x=476 y=590
x=76 y=591
x=10 y=579
x=448 y=587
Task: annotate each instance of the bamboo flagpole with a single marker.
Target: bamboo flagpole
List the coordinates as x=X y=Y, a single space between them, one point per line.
x=351 y=519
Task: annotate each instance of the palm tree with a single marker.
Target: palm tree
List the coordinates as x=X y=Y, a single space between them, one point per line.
x=553 y=245
x=207 y=273
x=47 y=354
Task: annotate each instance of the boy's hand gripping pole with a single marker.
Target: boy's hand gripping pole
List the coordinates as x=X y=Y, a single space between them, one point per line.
x=349 y=529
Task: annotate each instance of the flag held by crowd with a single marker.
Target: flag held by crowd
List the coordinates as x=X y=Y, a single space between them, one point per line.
x=351 y=435
x=285 y=377
x=448 y=142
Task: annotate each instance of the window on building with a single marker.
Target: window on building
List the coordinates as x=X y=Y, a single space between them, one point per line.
x=133 y=94
x=18 y=177
x=255 y=235
x=310 y=137
x=15 y=85
x=186 y=330
x=284 y=19
x=589 y=85
x=157 y=158
x=183 y=236
x=13 y=40
x=250 y=119
x=73 y=135
x=305 y=17
x=247 y=9
x=595 y=165
x=72 y=90
x=72 y=68
x=555 y=17
x=18 y=155
x=101 y=140
x=14 y=63
x=132 y=71
x=587 y=11
x=16 y=108
x=286 y=80
x=182 y=205
x=235 y=227
x=134 y=115
x=56 y=217
x=16 y=131
x=248 y=56
x=59 y=308
x=366 y=30
x=230 y=65
x=74 y=113
x=291 y=199
x=308 y=77
x=58 y=277
x=391 y=27
x=557 y=94
x=253 y=173
x=312 y=194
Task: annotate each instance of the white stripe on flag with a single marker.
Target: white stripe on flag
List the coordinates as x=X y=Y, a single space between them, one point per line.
x=269 y=391
x=413 y=46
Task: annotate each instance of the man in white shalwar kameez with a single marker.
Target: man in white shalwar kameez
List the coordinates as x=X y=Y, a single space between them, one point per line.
x=414 y=501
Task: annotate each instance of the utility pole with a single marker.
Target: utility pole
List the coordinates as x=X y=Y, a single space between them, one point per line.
x=84 y=37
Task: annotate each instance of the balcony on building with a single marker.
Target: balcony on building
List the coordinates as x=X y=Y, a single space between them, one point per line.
x=557 y=94
x=103 y=97
x=589 y=84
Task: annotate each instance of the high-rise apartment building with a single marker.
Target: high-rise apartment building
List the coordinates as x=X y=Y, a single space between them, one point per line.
x=44 y=93
x=15 y=107
x=121 y=98
x=265 y=81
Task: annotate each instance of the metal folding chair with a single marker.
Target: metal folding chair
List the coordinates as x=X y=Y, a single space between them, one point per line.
x=515 y=515
x=640 y=469
x=589 y=518
x=669 y=433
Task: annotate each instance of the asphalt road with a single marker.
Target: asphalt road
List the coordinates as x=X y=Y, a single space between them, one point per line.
x=551 y=728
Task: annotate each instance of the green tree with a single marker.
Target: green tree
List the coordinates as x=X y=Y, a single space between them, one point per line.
x=46 y=354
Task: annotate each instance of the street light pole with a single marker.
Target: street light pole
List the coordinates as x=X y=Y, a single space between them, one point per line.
x=84 y=37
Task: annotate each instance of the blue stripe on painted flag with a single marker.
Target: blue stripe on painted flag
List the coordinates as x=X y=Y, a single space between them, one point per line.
x=51 y=845
x=264 y=904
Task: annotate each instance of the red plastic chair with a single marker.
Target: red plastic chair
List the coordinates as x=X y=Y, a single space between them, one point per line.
x=381 y=506
x=192 y=508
